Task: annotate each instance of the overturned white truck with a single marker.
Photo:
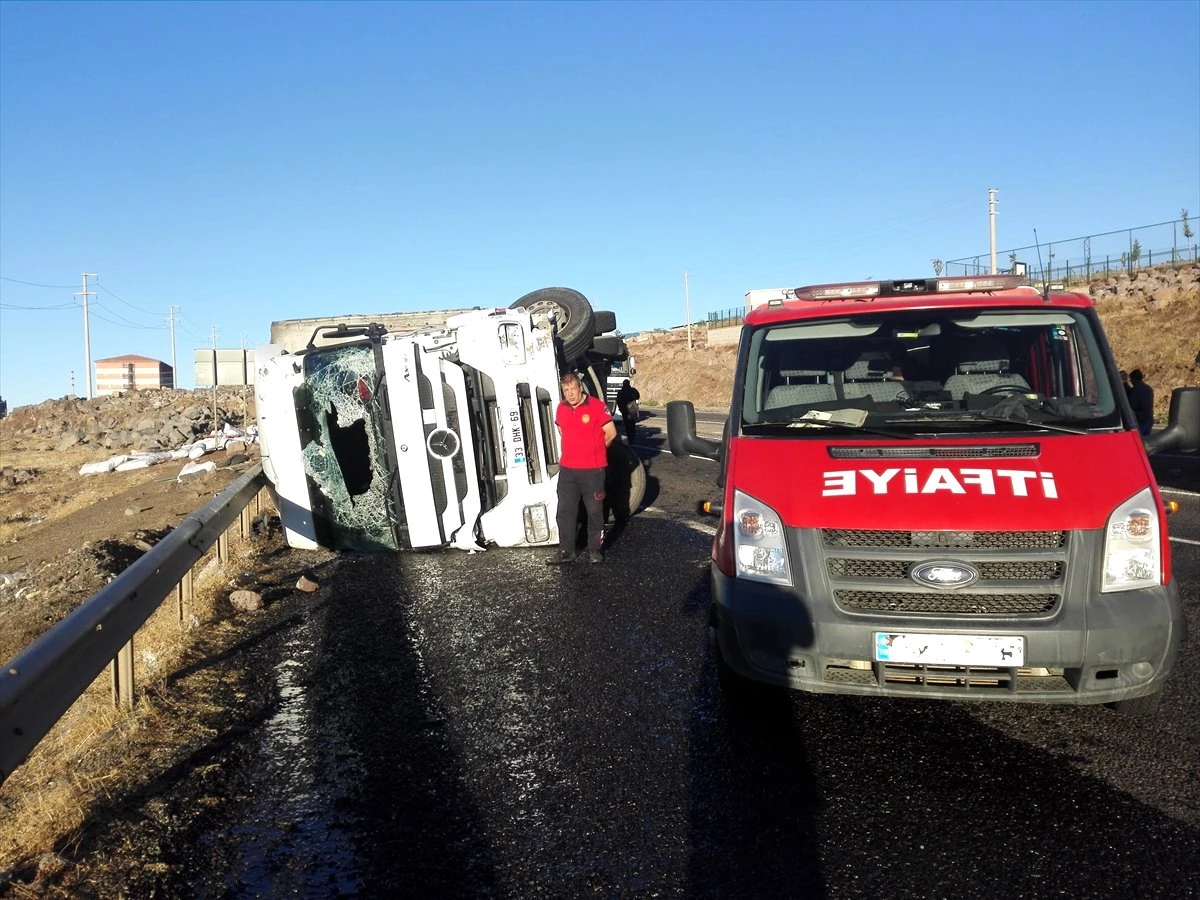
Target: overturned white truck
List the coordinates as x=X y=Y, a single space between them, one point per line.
x=442 y=436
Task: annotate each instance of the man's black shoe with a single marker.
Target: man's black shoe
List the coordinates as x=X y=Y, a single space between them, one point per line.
x=595 y=557
x=561 y=558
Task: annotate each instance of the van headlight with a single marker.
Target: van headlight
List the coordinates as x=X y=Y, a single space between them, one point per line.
x=1132 y=549
x=760 y=550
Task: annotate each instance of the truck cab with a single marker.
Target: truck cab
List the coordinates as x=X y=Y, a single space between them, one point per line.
x=936 y=488
x=437 y=437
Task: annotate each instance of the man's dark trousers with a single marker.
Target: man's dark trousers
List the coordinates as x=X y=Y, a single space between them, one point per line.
x=575 y=485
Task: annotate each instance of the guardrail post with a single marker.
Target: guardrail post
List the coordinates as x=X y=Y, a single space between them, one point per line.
x=122 y=677
x=223 y=547
x=244 y=519
x=184 y=591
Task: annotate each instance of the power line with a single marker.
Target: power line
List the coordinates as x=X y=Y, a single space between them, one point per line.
x=36 y=284
x=71 y=305
x=123 y=324
x=102 y=287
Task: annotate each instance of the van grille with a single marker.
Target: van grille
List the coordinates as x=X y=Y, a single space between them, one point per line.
x=947 y=602
x=1021 y=573
x=977 y=540
x=964 y=680
x=1007 y=570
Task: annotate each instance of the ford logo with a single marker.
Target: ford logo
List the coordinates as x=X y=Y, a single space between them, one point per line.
x=944 y=575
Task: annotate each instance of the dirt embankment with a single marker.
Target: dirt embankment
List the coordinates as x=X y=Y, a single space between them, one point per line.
x=1152 y=320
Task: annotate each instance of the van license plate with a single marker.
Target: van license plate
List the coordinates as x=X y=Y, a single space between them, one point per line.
x=950 y=649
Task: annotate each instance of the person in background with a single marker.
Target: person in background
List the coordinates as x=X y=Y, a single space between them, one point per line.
x=1125 y=383
x=627 y=398
x=1141 y=398
x=586 y=429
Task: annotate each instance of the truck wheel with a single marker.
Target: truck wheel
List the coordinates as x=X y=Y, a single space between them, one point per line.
x=574 y=319
x=624 y=481
x=1138 y=706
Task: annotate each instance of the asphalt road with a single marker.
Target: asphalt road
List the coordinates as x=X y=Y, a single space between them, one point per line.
x=487 y=726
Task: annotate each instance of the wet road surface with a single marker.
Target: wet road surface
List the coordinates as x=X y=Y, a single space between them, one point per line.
x=487 y=726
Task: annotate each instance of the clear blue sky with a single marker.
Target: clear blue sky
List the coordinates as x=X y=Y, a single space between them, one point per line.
x=248 y=162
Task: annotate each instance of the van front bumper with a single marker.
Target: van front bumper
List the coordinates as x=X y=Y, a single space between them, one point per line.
x=1098 y=648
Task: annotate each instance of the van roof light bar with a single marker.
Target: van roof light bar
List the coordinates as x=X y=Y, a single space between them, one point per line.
x=866 y=290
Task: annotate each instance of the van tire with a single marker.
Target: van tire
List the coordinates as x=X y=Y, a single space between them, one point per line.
x=575 y=320
x=624 y=481
x=1138 y=706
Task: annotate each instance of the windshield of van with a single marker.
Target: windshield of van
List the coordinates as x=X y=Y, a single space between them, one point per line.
x=918 y=371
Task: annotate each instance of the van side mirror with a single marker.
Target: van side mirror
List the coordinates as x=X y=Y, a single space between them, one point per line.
x=681 y=432
x=1183 y=423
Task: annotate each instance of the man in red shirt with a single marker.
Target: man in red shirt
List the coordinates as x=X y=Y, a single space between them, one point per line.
x=586 y=429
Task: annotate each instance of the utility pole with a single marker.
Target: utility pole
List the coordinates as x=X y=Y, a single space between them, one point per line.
x=992 y=223
x=87 y=334
x=215 y=376
x=687 y=301
x=245 y=383
x=171 y=322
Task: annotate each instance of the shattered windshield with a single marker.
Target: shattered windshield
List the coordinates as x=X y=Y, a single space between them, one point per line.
x=344 y=449
x=916 y=371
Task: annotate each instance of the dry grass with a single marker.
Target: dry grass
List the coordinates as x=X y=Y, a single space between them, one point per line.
x=26 y=503
x=96 y=753
x=1163 y=344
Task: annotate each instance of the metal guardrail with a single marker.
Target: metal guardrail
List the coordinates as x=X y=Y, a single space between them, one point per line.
x=42 y=682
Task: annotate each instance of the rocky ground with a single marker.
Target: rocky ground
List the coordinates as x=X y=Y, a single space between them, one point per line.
x=63 y=535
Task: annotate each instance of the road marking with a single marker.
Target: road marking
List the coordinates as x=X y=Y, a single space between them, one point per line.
x=1179 y=491
x=1180 y=540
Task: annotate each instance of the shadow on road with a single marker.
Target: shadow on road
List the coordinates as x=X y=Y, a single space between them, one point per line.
x=827 y=796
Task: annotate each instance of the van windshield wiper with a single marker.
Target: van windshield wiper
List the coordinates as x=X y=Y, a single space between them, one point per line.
x=1016 y=410
x=1028 y=423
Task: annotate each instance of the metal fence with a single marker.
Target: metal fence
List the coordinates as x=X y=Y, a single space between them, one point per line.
x=1091 y=256
x=723 y=317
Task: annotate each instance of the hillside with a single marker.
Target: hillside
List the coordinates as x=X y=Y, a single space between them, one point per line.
x=1152 y=320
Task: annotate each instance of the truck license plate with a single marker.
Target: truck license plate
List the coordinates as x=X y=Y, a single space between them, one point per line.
x=950 y=649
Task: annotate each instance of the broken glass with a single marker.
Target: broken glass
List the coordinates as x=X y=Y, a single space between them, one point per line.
x=345 y=455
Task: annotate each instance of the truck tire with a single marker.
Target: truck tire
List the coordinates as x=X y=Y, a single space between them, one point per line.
x=574 y=319
x=624 y=481
x=605 y=321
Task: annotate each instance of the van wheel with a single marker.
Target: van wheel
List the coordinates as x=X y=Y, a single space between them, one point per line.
x=574 y=319
x=624 y=481
x=1138 y=706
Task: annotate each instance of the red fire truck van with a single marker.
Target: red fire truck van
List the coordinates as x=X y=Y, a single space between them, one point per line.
x=936 y=488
